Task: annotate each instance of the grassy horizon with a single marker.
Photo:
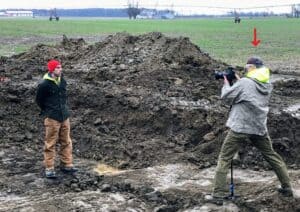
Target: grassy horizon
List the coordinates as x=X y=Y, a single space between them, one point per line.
x=221 y=38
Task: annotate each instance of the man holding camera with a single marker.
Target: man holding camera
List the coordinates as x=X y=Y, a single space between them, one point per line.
x=249 y=99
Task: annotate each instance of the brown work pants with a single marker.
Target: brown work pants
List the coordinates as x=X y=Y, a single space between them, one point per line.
x=57 y=131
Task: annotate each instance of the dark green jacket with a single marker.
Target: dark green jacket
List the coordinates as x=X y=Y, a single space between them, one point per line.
x=51 y=97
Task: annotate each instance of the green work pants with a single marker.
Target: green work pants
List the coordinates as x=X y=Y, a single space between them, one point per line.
x=231 y=145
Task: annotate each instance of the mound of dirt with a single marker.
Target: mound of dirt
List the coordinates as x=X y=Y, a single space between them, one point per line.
x=136 y=101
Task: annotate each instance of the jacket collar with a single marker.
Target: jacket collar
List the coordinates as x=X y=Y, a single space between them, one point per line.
x=260 y=74
x=47 y=76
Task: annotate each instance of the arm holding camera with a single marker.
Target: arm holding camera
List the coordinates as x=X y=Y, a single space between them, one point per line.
x=237 y=76
x=231 y=94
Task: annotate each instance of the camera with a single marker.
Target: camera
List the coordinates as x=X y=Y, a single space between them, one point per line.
x=229 y=73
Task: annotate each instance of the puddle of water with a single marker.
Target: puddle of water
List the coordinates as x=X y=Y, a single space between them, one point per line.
x=277 y=77
x=243 y=175
x=205 y=183
x=82 y=204
x=294 y=110
x=171 y=175
x=205 y=208
x=184 y=177
x=296 y=193
x=83 y=201
x=250 y=176
x=8 y=198
x=181 y=103
x=104 y=169
x=209 y=207
x=117 y=197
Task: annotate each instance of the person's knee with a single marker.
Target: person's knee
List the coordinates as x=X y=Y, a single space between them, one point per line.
x=223 y=165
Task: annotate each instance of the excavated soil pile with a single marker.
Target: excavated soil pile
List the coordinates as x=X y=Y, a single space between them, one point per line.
x=136 y=101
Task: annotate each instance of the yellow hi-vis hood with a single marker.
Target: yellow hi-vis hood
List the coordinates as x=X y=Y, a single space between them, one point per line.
x=46 y=76
x=260 y=74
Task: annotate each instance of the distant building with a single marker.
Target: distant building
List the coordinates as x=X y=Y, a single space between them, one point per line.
x=146 y=14
x=168 y=15
x=19 y=13
x=156 y=14
x=165 y=14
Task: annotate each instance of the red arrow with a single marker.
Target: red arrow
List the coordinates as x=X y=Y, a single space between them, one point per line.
x=255 y=42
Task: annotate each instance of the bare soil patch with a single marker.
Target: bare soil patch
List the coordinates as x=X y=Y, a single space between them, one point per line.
x=136 y=102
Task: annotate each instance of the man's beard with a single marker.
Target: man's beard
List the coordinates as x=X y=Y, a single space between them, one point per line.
x=57 y=75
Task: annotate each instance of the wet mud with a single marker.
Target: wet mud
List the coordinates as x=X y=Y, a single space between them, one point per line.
x=137 y=103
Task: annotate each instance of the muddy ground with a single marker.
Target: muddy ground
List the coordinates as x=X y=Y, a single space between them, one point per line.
x=148 y=106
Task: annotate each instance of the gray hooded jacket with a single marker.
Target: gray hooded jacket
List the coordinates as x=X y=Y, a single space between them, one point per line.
x=249 y=100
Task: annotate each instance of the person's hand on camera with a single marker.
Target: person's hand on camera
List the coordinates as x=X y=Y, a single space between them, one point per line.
x=237 y=76
x=225 y=80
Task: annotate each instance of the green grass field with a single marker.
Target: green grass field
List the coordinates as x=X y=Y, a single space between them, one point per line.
x=221 y=38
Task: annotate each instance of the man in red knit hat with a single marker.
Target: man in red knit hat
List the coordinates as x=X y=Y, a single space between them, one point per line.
x=52 y=99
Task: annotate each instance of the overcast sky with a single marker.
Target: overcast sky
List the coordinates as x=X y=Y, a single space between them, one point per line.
x=178 y=5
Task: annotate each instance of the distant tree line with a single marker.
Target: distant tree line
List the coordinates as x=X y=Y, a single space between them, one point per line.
x=132 y=11
x=92 y=12
x=243 y=14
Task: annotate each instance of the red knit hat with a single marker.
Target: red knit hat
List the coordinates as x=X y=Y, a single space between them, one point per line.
x=52 y=64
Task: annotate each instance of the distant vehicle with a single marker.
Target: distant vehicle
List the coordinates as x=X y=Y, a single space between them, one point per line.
x=53 y=15
x=146 y=14
x=142 y=17
x=237 y=19
x=168 y=16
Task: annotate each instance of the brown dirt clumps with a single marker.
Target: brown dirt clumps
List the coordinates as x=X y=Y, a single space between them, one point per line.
x=136 y=101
